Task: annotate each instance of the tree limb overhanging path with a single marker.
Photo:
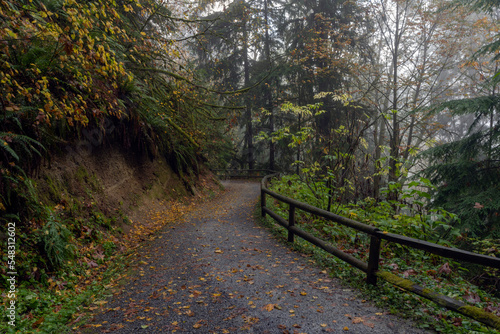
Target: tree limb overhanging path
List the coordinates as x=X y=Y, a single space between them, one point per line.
x=217 y=271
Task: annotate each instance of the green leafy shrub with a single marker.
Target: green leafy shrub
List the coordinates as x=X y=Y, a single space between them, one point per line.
x=55 y=238
x=410 y=217
x=109 y=248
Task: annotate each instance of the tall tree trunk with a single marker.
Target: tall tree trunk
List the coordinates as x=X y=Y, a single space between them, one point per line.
x=395 y=133
x=268 y=92
x=492 y=125
x=420 y=74
x=248 y=109
x=378 y=138
x=379 y=132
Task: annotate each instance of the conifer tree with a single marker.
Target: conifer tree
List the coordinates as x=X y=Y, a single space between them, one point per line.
x=224 y=56
x=467 y=170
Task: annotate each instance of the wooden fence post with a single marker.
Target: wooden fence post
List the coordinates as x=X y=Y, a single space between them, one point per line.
x=373 y=259
x=291 y=221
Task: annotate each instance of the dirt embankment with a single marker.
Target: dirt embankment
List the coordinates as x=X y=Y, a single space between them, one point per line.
x=89 y=206
x=116 y=180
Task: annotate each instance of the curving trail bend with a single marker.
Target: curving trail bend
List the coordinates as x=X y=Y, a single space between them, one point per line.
x=217 y=271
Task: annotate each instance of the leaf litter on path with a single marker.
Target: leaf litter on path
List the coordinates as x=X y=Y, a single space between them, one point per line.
x=218 y=271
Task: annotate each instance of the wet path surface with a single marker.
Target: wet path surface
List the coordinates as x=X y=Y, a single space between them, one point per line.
x=217 y=271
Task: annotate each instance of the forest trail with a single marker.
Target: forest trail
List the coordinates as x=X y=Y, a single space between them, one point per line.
x=217 y=271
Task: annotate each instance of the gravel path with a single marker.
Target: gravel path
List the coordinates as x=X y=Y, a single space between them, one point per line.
x=218 y=272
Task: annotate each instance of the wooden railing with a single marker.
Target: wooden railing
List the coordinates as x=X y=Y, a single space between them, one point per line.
x=241 y=173
x=376 y=236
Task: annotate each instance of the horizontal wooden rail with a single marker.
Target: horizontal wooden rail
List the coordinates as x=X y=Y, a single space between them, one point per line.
x=241 y=173
x=371 y=268
x=330 y=249
x=448 y=252
x=318 y=242
x=323 y=213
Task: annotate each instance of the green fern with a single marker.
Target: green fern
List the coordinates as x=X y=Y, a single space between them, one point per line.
x=56 y=240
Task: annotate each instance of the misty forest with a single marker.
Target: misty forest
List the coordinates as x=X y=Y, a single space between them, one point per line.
x=382 y=111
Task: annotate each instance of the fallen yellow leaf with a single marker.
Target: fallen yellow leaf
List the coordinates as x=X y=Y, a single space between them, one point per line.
x=269 y=307
x=198 y=324
x=100 y=302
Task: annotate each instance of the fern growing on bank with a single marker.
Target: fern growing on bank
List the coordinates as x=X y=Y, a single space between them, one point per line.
x=55 y=237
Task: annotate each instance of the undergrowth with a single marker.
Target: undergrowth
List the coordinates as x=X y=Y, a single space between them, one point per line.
x=70 y=255
x=63 y=260
x=440 y=275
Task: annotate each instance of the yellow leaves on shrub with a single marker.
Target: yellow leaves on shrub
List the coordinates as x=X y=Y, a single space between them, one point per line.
x=60 y=51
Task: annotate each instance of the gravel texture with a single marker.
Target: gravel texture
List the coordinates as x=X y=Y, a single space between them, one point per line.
x=217 y=271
